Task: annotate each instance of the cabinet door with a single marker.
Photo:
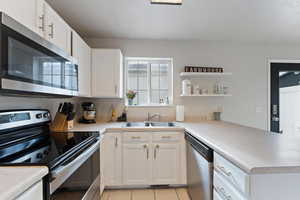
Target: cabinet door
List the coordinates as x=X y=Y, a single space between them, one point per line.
x=22 y=11
x=136 y=164
x=41 y=17
x=107 y=75
x=57 y=30
x=102 y=156
x=166 y=163
x=82 y=52
x=112 y=159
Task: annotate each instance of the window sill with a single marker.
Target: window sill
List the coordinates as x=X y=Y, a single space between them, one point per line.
x=150 y=106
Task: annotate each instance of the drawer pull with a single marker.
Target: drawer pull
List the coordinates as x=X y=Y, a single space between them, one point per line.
x=166 y=137
x=222 y=169
x=135 y=137
x=227 y=173
x=222 y=192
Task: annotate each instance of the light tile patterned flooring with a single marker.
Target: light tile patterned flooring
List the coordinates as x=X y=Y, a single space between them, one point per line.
x=146 y=194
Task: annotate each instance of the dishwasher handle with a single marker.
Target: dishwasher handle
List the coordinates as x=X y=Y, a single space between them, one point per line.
x=205 y=151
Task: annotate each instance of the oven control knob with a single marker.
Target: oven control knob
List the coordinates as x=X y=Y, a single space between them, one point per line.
x=39 y=155
x=39 y=116
x=46 y=115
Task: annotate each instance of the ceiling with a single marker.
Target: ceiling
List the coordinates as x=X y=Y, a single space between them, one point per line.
x=225 y=20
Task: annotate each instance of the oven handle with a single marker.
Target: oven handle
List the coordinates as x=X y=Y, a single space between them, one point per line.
x=62 y=173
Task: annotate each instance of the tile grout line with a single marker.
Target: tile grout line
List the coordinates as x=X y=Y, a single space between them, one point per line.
x=177 y=194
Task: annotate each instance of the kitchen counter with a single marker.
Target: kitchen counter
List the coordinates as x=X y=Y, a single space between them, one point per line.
x=253 y=150
x=15 y=180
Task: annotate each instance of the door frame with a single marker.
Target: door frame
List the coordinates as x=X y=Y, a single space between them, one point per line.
x=269 y=62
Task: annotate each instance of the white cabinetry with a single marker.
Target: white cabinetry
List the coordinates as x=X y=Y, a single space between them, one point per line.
x=146 y=158
x=34 y=192
x=107 y=73
x=38 y=16
x=153 y=158
x=112 y=159
x=22 y=11
x=57 y=30
x=82 y=52
x=52 y=27
x=136 y=164
x=166 y=163
x=102 y=154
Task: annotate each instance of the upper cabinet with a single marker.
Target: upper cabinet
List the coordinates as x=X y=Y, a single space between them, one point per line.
x=107 y=73
x=52 y=27
x=82 y=52
x=22 y=11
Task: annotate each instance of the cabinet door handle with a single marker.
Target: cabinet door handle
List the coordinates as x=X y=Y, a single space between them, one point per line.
x=166 y=137
x=52 y=30
x=116 y=142
x=116 y=89
x=155 y=151
x=42 y=18
x=147 y=151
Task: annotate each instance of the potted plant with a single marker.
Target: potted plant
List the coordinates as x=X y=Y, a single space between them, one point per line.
x=130 y=96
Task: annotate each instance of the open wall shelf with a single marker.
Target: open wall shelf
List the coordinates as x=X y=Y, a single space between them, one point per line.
x=207 y=95
x=204 y=74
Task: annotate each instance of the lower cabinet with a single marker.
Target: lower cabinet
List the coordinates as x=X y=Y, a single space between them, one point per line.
x=112 y=158
x=136 y=164
x=166 y=163
x=144 y=158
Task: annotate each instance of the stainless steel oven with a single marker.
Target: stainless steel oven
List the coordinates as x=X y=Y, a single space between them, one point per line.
x=30 y=64
x=78 y=179
x=73 y=158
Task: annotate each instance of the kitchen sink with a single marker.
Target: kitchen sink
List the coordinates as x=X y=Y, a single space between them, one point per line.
x=163 y=124
x=137 y=124
x=150 y=124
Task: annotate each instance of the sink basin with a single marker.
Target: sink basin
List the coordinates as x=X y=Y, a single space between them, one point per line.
x=150 y=124
x=137 y=124
x=163 y=124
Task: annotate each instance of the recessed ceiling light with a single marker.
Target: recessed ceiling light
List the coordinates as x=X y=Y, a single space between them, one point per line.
x=168 y=2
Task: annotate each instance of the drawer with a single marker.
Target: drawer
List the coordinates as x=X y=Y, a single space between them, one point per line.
x=167 y=136
x=232 y=174
x=225 y=189
x=136 y=137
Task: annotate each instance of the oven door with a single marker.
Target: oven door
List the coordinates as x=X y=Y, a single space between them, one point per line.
x=30 y=64
x=79 y=179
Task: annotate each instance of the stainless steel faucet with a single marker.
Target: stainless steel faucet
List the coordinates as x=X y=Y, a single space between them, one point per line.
x=150 y=117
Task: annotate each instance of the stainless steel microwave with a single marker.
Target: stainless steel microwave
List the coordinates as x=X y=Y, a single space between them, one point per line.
x=29 y=64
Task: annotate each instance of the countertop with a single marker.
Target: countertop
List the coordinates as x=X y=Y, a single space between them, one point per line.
x=16 y=180
x=253 y=150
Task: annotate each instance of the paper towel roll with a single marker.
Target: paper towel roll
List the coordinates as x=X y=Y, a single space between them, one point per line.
x=179 y=113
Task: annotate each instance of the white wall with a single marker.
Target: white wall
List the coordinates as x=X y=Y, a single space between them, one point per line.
x=248 y=62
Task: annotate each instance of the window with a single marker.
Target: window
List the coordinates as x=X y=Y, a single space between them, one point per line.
x=151 y=79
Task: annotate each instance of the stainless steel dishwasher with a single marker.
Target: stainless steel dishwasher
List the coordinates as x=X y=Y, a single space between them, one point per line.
x=199 y=169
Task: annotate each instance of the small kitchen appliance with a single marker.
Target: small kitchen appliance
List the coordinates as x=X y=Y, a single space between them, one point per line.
x=30 y=64
x=89 y=113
